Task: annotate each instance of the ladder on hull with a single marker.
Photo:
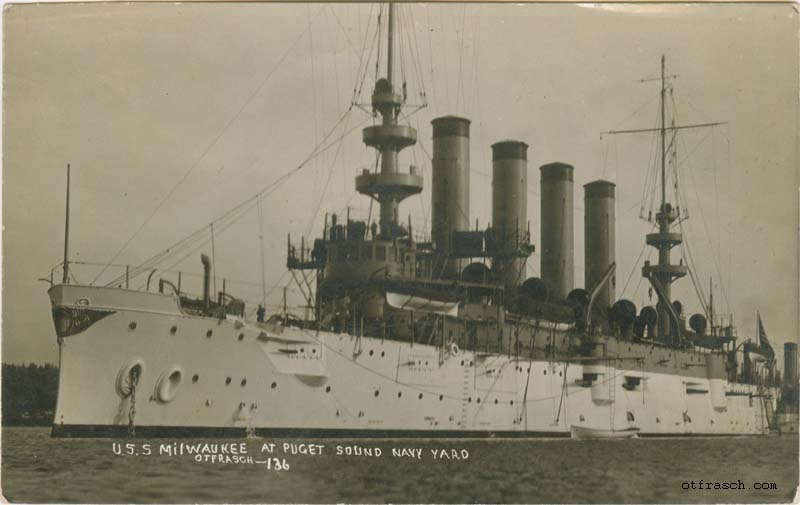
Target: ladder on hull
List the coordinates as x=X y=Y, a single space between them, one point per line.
x=769 y=412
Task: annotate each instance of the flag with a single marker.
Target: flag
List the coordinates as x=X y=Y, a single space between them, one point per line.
x=766 y=348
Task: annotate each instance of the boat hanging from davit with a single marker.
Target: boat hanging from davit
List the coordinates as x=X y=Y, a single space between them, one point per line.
x=442 y=336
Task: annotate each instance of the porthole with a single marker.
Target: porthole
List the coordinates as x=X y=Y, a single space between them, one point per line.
x=545 y=372
x=243 y=383
x=227 y=380
x=328 y=389
x=469 y=400
x=479 y=400
x=630 y=417
x=426 y=363
x=399 y=394
x=241 y=337
x=420 y=396
x=462 y=362
x=132 y=325
x=173 y=330
x=302 y=350
x=495 y=401
x=371 y=352
x=377 y=393
x=313 y=351
x=209 y=333
x=383 y=354
x=512 y=402
x=441 y=397
x=560 y=374
x=582 y=418
x=274 y=385
x=195 y=378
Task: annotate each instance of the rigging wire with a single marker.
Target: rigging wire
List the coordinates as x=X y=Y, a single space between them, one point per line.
x=213 y=259
x=261 y=251
x=460 y=82
x=430 y=52
x=213 y=143
x=243 y=206
x=714 y=253
x=313 y=93
x=327 y=182
x=636 y=263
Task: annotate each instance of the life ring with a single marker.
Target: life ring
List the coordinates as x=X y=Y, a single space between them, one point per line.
x=124 y=383
x=168 y=383
x=454 y=350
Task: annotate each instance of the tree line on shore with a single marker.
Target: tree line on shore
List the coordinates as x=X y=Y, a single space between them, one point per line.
x=29 y=394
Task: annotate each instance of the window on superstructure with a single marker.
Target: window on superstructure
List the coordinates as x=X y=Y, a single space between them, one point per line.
x=380 y=253
x=366 y=252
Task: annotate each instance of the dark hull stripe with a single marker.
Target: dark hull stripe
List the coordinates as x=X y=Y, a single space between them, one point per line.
x=106 y=431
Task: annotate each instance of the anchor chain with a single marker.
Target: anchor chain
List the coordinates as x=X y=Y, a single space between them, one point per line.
x=132 y=409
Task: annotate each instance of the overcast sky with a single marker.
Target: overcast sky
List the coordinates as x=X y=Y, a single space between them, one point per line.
x=172 y=114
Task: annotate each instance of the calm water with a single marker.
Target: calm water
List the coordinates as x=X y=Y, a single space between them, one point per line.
x=36 y=468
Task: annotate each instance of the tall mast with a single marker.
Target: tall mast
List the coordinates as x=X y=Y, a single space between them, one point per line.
x=663 y=136
x=65 y=280
x=663 y=274
x=390 y=46
x=389 y=186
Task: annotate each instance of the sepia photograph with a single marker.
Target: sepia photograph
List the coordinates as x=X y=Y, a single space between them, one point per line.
x=400 y=252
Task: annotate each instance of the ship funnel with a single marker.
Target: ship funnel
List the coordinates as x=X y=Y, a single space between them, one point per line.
x=509 y=214
x=557 y=235
x=206 y=280
x=598 y=243
x=450 y=193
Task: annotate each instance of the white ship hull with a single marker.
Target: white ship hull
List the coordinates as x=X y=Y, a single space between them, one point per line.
x=301 y=382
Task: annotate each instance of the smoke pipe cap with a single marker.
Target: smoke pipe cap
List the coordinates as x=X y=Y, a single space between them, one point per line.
x=509 y=150
x=447 y=126
x=556 y=171
x=598 y=189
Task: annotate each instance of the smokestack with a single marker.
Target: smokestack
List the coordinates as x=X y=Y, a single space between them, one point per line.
x=599 y=252
x=557 y=239
x=206 y=280
x=790 y=364
x=509 y=212
x=450 y=193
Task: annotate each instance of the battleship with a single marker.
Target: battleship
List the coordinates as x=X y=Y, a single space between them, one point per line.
x=424 y=335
